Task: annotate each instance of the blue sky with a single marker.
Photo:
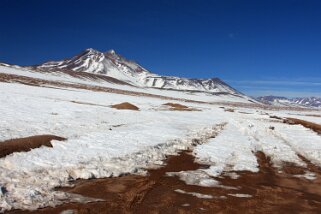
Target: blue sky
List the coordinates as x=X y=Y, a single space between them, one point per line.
x=259 y=47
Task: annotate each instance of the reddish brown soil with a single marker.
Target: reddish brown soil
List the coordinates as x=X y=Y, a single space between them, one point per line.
x=125 y=105
x=179 y=107
x=176 y=105
x=26 y=144
x=275 y=117
x=315 y=127
x=243 y=112
x=272 y=192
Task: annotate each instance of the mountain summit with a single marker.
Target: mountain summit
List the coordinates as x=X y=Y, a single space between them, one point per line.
x=114 y=65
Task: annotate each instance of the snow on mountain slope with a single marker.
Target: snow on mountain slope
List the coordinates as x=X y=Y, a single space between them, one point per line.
x=92 y=80
x=308 y=101
x=298 y=101
x=116 y=66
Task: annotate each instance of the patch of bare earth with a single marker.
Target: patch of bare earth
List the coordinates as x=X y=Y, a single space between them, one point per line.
x=267 y=191
x=125 y=105
x=179 y=107
x=26 y=144
x=315 y=127
x=229 y=110
x=243 y=112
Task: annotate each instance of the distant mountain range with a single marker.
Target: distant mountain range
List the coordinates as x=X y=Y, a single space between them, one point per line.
x=120 y=70
x=283 y=101
x=114 y=65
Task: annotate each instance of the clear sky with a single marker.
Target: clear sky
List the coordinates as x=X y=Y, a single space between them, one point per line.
x=260 y=47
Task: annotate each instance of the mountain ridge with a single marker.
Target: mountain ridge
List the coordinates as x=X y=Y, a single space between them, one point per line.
x=115 y=65
x=297 y=101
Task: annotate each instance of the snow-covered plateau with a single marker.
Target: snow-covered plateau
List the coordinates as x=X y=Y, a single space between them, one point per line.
x=107 y=142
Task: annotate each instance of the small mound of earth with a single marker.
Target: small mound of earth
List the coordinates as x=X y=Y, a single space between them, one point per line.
x=179 y=107
x=229 y=110
x=26 y=144
x=125 y=105
x=176 y=105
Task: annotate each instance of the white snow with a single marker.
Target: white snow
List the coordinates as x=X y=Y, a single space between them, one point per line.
x=235 y=147
x=302 y=140
x=196 y=194
x=307 y=175
x=92 y=149
x=229 y=151
x=64 y=78
x=196 y=177
x=104 y=142
x=240 y=195
x=114 y=65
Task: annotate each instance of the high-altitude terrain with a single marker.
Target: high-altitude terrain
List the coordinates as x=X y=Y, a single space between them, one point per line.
x=298 y=101
x=114 y=65
x=98 y=133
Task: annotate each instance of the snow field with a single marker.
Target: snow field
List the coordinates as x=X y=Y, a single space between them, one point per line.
x=104 y=142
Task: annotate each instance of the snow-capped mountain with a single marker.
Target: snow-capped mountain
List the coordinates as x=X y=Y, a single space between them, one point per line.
x=114 y=65
x=299 y=101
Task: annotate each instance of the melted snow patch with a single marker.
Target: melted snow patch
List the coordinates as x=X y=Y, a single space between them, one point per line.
x=240 y=195
x=196 y=194
x=232 y=175
x=198 y=178
x=307 y=175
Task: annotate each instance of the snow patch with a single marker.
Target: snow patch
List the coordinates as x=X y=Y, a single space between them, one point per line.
x=240 y=195
x=196 y=194
x=307 y=175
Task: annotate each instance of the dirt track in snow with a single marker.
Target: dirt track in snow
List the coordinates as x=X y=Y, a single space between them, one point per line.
x=270 y=191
